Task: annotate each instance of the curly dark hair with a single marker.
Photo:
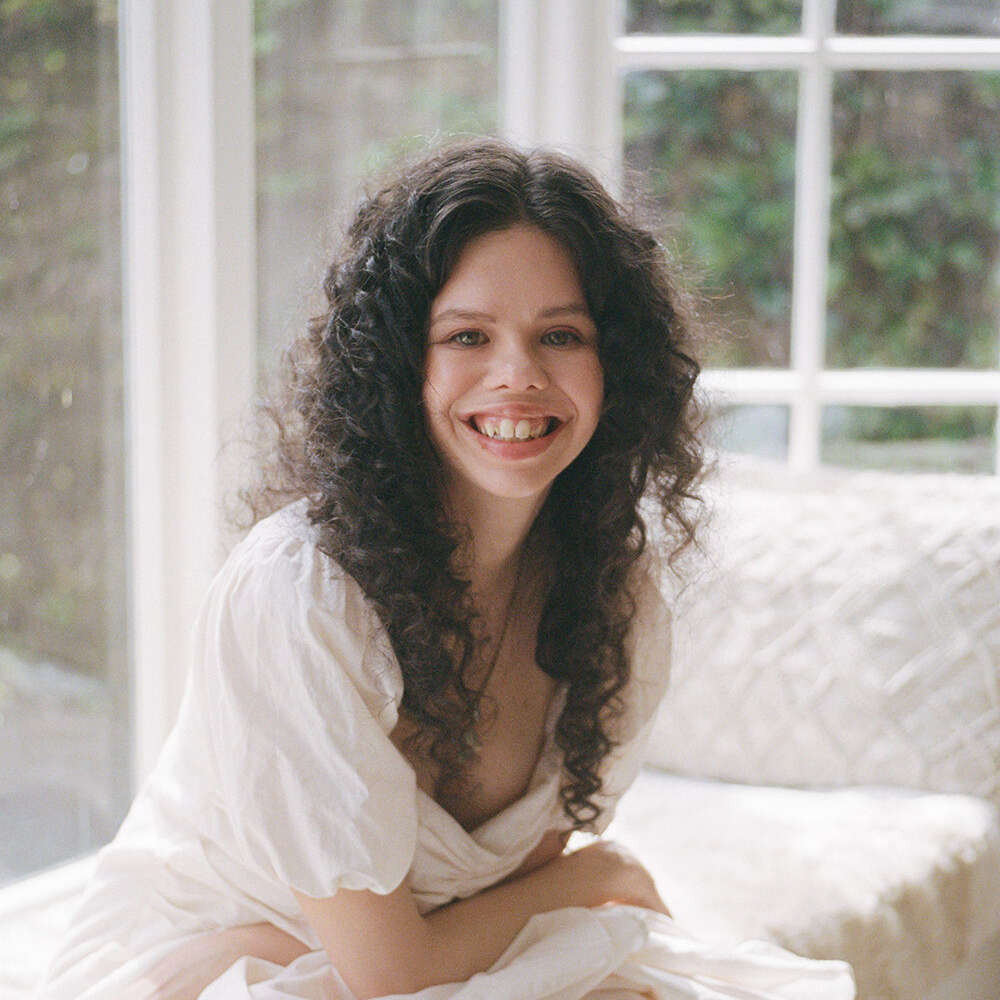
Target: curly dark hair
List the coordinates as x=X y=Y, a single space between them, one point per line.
x=351 y=437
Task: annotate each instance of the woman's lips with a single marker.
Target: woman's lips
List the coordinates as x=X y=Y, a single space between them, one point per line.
x=507 y=444
x=512 y=428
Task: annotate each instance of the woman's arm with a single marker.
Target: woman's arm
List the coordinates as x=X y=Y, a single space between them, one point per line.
x=381 y=944
x=185 y=972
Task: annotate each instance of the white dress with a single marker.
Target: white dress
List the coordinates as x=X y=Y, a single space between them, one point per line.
x=280 y=774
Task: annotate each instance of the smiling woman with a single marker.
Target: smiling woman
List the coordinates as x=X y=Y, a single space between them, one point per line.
x=513 y=399
x=415 y=680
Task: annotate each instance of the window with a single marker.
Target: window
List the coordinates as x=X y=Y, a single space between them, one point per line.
x=834 y=170
x=64 y=689
x=341 y=91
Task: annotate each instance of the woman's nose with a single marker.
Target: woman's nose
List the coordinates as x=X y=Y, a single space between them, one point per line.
x=515 y=367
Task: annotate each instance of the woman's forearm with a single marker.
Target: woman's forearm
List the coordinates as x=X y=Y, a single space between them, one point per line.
x=381 y=944
x=471 y=934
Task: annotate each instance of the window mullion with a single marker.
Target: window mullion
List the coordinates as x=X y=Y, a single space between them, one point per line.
x=559 y=85
x=912 y=52
x=812 y=227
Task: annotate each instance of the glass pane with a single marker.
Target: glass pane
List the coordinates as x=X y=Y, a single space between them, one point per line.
x=911 y=439
x=736 y=16
x=342 y=89
x=933 y=17
x=713 y=155
x=63 y=685
x=750 y=430
x=915 y=239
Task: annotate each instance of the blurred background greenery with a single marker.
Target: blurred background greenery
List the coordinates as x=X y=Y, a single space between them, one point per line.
x=342 y=88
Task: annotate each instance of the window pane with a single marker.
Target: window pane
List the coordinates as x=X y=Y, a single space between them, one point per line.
x=343 y=88
x=934 y=17
x=750 y=430
x=910 y=439
x=737 y=16
x=915 y=239
x=713 y=153
x=63 y=685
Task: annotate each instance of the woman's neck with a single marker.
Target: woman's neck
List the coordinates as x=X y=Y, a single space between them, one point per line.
x=497 y=530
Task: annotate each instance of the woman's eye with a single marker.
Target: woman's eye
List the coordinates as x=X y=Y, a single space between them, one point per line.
x=560 y=338
x=467 y=338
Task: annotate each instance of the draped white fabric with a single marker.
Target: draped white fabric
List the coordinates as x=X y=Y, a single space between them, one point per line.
x=615 y=953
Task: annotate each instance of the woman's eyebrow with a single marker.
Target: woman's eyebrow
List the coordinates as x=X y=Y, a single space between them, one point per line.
x=462 y=314
x=570 y=309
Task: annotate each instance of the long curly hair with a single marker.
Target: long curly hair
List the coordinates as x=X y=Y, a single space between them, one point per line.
x=352 y=438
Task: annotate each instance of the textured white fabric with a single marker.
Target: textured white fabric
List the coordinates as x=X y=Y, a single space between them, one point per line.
x=844 y=629
x=902 y=885
x=617 y=953
x=280 y=773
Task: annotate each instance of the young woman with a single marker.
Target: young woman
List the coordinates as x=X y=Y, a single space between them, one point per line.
x=441 y=650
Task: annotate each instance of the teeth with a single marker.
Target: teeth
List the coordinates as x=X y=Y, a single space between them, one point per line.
x=507 y=429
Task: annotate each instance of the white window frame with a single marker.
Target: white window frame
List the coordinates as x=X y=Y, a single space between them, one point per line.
x=189 y=278
x=190 y=270
x=816 y=54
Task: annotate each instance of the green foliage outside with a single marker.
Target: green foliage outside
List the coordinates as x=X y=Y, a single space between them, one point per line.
x=713 y=155
x=915 y=213
x=61 y=470
x=760 y=17
x=343 y=91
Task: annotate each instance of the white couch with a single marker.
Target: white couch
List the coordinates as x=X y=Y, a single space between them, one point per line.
x=825 y=772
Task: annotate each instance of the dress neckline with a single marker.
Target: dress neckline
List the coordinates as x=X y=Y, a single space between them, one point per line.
x=541 y=772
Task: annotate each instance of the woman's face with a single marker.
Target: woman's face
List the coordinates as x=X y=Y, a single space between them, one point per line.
x=513 y=385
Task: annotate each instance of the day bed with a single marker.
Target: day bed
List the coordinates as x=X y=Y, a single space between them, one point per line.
x=825 y=771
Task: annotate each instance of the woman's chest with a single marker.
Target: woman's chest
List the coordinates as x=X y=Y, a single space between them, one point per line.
x=510 y=737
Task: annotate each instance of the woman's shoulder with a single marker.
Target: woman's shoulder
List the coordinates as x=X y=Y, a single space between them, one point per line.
x=288 y=527
x=279 y=586
x=283 y=550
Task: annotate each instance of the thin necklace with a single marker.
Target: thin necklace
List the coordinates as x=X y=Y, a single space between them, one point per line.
x=473 y=742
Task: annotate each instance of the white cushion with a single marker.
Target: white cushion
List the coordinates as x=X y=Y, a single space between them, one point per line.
x=903 y=885
x=843 y=629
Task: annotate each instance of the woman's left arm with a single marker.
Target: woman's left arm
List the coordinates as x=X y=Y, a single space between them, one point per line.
x=184 y=973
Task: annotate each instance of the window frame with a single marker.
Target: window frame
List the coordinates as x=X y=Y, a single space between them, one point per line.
x=816 y=54
x=189 y=343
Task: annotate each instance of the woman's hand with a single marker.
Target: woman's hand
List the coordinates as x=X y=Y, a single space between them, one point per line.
x=617 y=876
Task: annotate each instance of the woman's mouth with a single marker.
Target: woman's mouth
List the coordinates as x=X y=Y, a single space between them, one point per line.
x=510 y=429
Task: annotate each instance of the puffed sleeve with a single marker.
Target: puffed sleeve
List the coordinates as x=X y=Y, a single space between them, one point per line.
x=648 y=647
x=299 y=694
